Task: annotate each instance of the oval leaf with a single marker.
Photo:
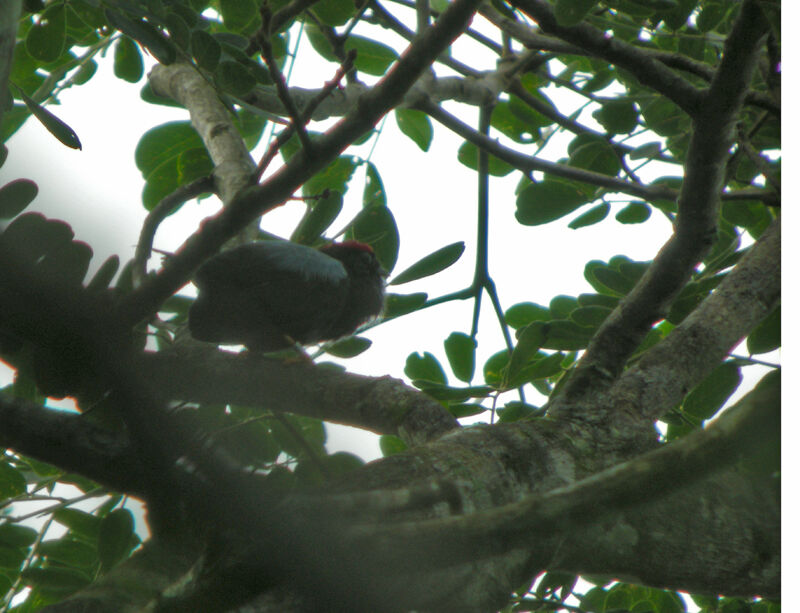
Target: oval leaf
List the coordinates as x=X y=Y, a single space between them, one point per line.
x=402 y=304
x=15 y=196
x=416 y=125
x=425 y=368
x=115 y=537
x=541 y=203
x=372 y=57
x=767 y=335
x=319 y=217
x=375 y=226
x=431 y=264
x=128 y=64
x=635 y=212
x=349 y=347
x=708 y=397
x=468 y=155
x=594 y=215
x=460 y=350
x=54 y=125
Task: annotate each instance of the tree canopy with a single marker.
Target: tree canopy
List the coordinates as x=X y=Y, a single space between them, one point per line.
x=592 y=463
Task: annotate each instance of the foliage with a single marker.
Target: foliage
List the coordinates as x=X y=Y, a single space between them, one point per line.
x=628 y=145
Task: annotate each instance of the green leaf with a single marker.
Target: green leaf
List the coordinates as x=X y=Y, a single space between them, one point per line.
x=515 y=410
x=664 y=117
x=548 y=366
x=144 y=32
x=468 y=155
x=239 y=14
x=115 y=537
x=460 y=411
x=416 y=125
x=163 y=143
x=610 y=302
x=495 y=368
x=15 y=196
x=56 y=581
x=391 y=444
x=334 y=12
x=128 y=64
x=54 y=125
x=607 y=280
x=529 y=340
x=767 y=335
x=372 y=57
x=11 y=558
x=524 y=313
x=594 y=215
x=425 y=368
x=590 y=316
x=80 y=523
x=375 y=226
x=335 y=176
x=572 y=12
x=46 y=40
x=374 y=193
x=617 y=116
x=517 y=120
x=193 y=164
x=635 y=212
x=12 y=481
x=595 y=155
x=206 y=50
x=566 y=335
x=551 y=199
x=561 y=306
x=646 y=152
x=431 y=264
x=69 y=552
x=402 y=304
x=319 y=217
x=234 y=78
x=349 y=347
x=13 y=535
x=708 y=397
x=320 y=43
x=460 y=351
x=445 y=393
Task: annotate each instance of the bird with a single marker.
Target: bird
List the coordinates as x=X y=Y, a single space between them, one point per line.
x=274 y=294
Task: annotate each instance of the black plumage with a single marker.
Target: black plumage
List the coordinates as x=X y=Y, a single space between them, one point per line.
x=267 y=295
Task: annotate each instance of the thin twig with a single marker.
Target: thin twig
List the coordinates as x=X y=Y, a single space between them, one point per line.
x=154 y=218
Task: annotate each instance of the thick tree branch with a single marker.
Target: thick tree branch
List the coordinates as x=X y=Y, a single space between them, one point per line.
x=695 y=228
x=646 y=69
x=72 y=443
x=752 y=424
x=532 y=38
x=233 y=166
x=692 y=350
x=382 y=405
x=251 y=203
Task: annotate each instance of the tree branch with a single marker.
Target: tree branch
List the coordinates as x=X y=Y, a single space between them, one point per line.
x=695 y=227
x=646 y=69
x=528 y=163
x=666 y=372
x=382 y=405
x=71 y=443
x=233 y=166
x=250 y=203
x=750 y=425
